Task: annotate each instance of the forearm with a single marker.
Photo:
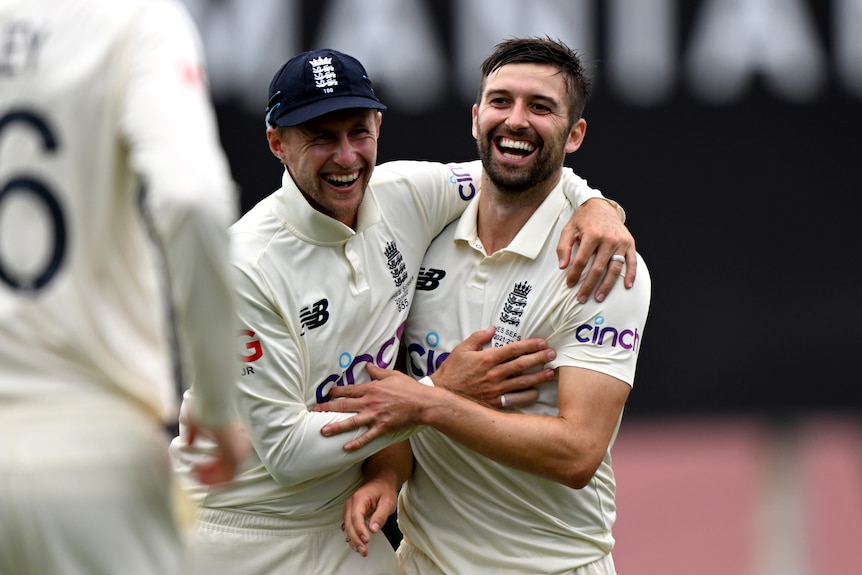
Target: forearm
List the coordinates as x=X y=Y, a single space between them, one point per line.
x=293 y=450
x=392 y=465
x=549 y=447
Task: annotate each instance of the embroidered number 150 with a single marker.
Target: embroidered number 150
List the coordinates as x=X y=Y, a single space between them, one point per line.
x=23 y=183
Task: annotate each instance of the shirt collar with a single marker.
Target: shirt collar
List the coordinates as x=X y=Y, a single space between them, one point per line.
x=302 y=219
x=530 y=238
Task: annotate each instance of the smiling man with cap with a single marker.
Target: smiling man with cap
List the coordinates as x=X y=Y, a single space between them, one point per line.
x=325 y=270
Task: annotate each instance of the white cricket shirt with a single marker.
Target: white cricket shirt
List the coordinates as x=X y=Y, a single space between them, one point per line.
x=465 y=511
x=110 y=164
x=318 y=302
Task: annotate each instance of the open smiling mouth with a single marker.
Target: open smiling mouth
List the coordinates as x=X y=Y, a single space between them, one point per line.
x=341 y=180
x=514 y=149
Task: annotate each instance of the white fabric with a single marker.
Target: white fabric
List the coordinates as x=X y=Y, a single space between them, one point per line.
x=85 y=489
x=119 y=89
x=230 y=541
x=467 y=513
x=318 y=301
x=99 y=100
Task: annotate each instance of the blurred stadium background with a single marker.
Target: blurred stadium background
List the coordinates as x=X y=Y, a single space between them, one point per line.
x=730 y=131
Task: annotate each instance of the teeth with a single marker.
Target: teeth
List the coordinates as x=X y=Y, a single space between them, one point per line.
x=343 y=178
x=516 y=145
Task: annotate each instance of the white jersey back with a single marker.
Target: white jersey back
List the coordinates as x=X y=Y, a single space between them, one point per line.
x=91 y=165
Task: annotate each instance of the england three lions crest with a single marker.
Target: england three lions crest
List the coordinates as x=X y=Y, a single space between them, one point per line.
x=513 y=309
x=398 y=271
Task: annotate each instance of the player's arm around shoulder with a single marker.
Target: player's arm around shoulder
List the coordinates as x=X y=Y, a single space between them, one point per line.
x=438 y=193
x=604 y=241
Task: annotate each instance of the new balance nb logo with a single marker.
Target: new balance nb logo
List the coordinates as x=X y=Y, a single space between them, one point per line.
x=314 y=316
x=429 y=279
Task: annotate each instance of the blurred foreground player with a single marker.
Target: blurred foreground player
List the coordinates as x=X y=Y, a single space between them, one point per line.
x=115 y=199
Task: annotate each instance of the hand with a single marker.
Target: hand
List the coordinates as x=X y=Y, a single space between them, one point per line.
x=596 y=225
x=390 y=403
x=395 y=401
x=484 y=375
x=231 y=447
x=365 y=512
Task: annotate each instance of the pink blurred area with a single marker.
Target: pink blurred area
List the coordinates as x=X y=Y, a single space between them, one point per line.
x=739 y=496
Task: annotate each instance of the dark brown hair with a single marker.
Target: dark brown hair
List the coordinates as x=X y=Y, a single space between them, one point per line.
x=536 y=50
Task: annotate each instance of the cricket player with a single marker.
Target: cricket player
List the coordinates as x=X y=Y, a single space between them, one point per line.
x=497 y=488
x=115 y=198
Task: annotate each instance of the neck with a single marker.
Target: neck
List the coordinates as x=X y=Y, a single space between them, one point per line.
x=502 y=214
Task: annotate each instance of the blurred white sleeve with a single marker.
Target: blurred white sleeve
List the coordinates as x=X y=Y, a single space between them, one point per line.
x=169 y=123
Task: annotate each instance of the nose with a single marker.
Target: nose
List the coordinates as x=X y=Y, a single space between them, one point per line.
x=518 y=117
x=345 y=153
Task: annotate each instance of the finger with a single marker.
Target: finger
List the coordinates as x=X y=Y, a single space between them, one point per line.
x=569 y=236
x=363 y=440
x=212 y=473
x=520 y=354
x=596 y=271
x=378 y=518
x=355 y=529
x=338 y=405
x=191 y=433
x=609 y=280
x=345 y=391
x=583 y=259
x=521 y=397
x=477 y=340
x=377 y=372
x=631 y=266
x=526 y=380
x=525 y=362
x=580 y=260
x=337 y=427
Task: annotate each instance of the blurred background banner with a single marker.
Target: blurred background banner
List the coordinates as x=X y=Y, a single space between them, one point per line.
x=728 y=129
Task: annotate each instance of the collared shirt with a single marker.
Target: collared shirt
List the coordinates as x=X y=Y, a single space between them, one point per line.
x=470 y=514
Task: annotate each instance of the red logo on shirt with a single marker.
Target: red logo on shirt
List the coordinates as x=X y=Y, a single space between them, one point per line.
x=251 y=345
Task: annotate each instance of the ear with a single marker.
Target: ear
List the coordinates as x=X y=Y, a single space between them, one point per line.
x=276 y=146
x=576 y=136
x=379 y=122
x=475 y=127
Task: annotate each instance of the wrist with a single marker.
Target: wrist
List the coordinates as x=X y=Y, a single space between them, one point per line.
x=426 y=381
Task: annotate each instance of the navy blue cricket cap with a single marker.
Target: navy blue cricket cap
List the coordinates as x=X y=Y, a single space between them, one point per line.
x=315 y=83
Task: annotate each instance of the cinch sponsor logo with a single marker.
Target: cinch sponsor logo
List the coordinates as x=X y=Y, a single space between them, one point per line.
x=353 y=365
x=422 y=360
x=466 y=189
x=599 y=334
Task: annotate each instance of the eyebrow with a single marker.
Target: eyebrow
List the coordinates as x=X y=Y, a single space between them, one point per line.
x=507 y=93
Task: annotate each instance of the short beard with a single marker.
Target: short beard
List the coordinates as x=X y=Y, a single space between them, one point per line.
x=517 y=181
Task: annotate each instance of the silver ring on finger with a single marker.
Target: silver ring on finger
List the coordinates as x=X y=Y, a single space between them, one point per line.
x=503 y=400
x=618 y=258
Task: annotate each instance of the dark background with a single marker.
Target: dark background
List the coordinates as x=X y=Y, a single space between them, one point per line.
x=746 y=213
